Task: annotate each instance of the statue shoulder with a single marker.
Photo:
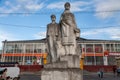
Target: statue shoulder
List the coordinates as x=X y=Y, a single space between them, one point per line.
x=56 y=23
x=67 y=14
x=71 y=14
x=48 y=24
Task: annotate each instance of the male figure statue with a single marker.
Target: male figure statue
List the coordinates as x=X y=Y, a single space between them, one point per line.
x=52 y=35
x=68 y=30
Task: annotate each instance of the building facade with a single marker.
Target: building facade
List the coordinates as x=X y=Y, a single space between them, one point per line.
x=24 y=52
x=95 y=52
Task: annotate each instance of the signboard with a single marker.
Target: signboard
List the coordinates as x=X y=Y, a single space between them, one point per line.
x=106 y=53
x=114 y=53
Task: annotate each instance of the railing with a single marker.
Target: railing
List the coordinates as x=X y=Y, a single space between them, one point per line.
x=96 y=68
x=30 y=68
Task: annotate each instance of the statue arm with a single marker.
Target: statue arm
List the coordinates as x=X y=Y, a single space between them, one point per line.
x=63 y=26
x=74 y=22
x=75 y=25
x=47 y=34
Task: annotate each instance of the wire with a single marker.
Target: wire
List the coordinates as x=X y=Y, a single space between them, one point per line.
x=101 y=27
x=21 y=25
x=26 y=26
x=56 y=12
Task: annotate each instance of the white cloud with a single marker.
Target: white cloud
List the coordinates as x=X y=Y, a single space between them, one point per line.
x=75 y=6
x=40 y=35
x=34 y=6
x=5 y=36
x=21 y=6
x=57 y=5
x=106 y=5
x=112 y=33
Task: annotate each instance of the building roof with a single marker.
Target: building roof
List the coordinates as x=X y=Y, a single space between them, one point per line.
x=80 y=40
x=27 y=41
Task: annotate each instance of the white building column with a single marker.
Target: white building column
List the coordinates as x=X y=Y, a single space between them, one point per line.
x=3 y=51
x=94 y=54
x=105 y=58
x=23 y=61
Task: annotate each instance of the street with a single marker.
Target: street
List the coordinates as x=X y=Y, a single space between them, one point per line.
x=92 y=76
x=105 y=77
x=29 y=76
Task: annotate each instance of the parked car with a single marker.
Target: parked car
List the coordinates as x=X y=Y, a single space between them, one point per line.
x=13 y=72
x=118 y=71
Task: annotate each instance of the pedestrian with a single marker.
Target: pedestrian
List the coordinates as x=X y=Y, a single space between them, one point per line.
x=100 y=73
x=114 y=70
x=118 y=71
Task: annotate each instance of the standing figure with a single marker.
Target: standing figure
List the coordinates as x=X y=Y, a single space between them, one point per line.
x=69 y=31
x=114 y=70
x=100 y=73
x=52 y=36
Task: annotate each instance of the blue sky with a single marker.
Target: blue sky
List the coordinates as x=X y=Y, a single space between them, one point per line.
x=27 y=19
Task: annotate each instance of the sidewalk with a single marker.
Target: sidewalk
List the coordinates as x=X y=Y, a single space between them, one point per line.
x=95 y=73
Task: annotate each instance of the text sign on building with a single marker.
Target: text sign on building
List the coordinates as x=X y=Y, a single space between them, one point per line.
x=114 y=54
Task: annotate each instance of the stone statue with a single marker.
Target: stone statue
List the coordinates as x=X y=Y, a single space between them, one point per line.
x=69 y=31
x=63 y=48
x=52 y=36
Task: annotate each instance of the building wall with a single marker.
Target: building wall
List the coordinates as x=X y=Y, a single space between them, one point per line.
x=31 y=52
x=95 y=53
x=24 y=53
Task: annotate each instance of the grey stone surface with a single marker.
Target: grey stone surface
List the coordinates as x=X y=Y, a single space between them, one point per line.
x=61 y=74
x=69 y=30
x=68 y=61
x=63 y=49
x=73 y=61
x=62 y=64
x=52 y=35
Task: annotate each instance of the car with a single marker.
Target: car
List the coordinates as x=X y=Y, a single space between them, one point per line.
x=118 y=71
x=13 y=72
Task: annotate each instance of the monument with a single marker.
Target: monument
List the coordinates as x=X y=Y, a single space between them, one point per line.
x=63 y=50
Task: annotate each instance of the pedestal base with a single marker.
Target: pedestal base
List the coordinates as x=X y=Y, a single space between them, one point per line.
x=68 y=68
x=62 y=74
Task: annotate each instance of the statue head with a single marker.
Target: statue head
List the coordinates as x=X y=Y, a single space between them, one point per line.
x=53 y=17
x=67 y=6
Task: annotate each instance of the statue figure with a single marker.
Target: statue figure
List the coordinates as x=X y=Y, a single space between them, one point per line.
x=69 y=30
x=63 y=49
x=52 y=36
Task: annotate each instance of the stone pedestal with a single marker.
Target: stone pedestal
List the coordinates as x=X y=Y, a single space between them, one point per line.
x=68 y=68
x=61 y=74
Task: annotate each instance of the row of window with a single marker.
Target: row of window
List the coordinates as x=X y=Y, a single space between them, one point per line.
x=98 y=48
x=89 y=60
x=98 y=60
x=19 y=59
x=26 y=51
x=39 y=48
x=26 y=48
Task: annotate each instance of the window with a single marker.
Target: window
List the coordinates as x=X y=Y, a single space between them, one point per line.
x=98 y=48
x=89 y=60
x=99 y=60
x=89 y=47
x=29 y=48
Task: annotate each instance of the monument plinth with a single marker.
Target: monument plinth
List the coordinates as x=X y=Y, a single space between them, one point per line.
x=63 y=50
x=67 y=68
x=62 y=74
